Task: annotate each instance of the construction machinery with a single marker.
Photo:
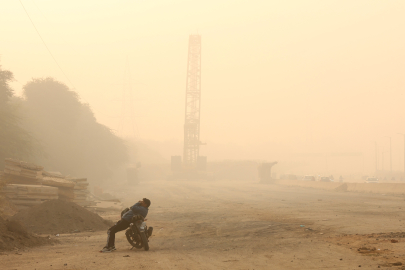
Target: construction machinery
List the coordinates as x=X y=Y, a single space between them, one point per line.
x=264 y=171
x=193 y=165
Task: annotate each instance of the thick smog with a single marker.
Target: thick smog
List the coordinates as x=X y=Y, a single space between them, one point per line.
x=202 y=135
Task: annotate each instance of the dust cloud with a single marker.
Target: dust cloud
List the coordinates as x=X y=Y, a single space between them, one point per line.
x=286 y=91
x=315 y=83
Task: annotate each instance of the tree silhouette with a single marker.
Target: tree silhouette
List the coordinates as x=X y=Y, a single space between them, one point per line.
x=74 y=142
x=15 y=141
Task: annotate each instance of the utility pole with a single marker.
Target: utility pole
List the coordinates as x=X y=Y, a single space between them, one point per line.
x=404 y=149
x=390 y=157
x=376 y=159
x=382 y=160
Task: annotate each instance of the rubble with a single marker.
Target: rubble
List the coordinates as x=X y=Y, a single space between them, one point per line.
x=80 y=192
x=27 y=184
x=23 y=196
x=19 y=172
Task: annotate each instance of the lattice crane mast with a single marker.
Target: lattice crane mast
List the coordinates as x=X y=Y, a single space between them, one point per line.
x=193 y=103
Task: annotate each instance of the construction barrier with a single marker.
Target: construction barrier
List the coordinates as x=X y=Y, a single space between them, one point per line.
x=377 y=188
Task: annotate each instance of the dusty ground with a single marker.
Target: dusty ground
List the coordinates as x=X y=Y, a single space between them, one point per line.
x=241 y=226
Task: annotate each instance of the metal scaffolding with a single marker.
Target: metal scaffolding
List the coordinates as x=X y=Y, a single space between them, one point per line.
x=193 y=99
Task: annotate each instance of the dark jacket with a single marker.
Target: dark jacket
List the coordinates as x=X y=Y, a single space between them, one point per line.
x=136 y=209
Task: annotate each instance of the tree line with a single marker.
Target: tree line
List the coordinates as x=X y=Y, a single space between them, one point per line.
x=50 y=126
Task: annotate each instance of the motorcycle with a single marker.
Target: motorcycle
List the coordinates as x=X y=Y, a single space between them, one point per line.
x=138 y=232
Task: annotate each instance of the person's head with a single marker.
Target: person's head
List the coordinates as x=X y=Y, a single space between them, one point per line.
x=145 y=202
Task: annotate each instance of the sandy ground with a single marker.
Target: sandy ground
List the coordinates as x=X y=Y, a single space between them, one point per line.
x=241 y=226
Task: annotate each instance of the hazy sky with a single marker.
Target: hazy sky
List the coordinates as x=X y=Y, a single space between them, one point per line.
x=278 y=77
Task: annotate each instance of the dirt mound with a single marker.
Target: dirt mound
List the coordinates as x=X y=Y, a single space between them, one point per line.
x=56 y=216
x=7 y=208
x=342 y=187
x=14 y=235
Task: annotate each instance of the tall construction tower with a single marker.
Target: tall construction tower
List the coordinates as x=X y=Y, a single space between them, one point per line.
x=193 y=100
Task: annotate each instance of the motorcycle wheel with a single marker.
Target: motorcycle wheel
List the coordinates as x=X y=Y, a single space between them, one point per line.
x=150 y=231
x=133 y=239
x=145 y=241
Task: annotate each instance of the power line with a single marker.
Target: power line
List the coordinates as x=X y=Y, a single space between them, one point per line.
x=46 y=46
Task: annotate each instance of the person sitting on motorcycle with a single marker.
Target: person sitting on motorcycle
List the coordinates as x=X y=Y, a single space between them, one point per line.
x=140 y=208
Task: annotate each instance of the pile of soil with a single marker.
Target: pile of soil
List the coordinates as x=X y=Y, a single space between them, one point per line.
x=7 y=208
x=342 y=187
x=14 y=235
x=57 y=216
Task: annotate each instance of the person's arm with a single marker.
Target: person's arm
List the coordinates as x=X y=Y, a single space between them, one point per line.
x=123 y=212
x=138 y=209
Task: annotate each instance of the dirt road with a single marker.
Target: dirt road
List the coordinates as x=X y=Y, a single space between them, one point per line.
x=241 y=226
